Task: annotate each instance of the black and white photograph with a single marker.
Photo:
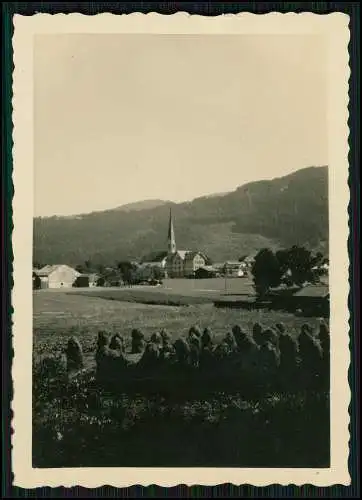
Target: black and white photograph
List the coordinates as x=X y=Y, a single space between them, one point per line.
x=181 y=301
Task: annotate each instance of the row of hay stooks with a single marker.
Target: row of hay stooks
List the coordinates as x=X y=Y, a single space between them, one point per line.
x=268 y=358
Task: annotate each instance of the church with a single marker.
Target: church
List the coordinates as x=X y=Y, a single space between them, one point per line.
x=181 y=263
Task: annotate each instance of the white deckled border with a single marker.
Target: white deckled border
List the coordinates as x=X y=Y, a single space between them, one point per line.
x=335 y=28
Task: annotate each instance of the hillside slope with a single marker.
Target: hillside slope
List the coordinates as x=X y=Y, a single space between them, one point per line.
x=280 y=212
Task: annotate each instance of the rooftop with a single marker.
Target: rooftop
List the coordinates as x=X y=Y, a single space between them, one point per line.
x=313 y=291
x=46 y=270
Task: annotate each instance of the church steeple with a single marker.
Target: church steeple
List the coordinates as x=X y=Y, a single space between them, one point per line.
x=171 y=236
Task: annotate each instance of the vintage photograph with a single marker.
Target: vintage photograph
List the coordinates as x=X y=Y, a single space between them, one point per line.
x=181 y=229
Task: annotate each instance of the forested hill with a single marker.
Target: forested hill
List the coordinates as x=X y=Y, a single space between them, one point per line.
x=280 y=212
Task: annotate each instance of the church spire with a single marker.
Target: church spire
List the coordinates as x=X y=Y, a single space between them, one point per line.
x=171 y=236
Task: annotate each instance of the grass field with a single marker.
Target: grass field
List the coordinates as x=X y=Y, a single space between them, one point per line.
x=58 y=314
x=178 y=291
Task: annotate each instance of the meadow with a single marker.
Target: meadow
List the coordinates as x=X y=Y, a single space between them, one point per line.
x=78 y=423
x=59 y=314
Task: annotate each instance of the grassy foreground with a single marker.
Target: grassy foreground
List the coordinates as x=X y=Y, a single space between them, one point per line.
x=78 y=424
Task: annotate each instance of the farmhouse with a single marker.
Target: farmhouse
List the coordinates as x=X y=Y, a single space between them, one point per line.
x=57 y=276
x=310 y=300
x=313 y=299
x=181 y=263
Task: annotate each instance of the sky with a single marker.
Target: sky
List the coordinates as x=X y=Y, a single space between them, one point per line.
x=128 y=117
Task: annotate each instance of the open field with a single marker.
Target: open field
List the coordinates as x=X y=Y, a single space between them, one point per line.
x=58 y=314
x=178 y=291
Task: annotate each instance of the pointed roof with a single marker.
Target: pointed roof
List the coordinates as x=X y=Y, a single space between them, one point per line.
x=48 y=269
x=171 y=232
x=171 y=236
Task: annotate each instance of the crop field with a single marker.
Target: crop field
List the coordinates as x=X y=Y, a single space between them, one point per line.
x=76 y=423
x=59 y=314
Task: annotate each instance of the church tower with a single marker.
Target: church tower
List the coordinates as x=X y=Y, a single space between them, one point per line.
x=171 y=236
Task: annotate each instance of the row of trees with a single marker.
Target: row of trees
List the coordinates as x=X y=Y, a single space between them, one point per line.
x=125 y=271
x=294 y=266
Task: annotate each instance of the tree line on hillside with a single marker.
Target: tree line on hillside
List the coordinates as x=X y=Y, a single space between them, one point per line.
x=285 y=211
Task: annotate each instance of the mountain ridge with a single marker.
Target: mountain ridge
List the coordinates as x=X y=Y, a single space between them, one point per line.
x=277 y=212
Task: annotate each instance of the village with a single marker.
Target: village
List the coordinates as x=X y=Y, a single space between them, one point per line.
x=171 y=263
x=229 y=284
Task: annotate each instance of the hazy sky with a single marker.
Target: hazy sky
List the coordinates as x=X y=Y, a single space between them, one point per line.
x=122 y=118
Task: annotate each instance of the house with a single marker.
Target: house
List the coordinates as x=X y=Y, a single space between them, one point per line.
x=181 y=263
x=175 y=264
x=322 y=269
x=235 y=269
x=93 y=279
x=310 y=300
x=193 y=261
x=57 y=276
x=184 y=263
x=249 y=261
x=219 y=267
x=205 y=272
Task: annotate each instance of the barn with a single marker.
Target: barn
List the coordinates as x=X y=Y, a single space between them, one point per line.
x=313 y=300
x=57 y=276
x=310 y=300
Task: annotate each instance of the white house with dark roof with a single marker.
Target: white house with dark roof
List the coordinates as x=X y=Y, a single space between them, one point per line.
x=57 y=276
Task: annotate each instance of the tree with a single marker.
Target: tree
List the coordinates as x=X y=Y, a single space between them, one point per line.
x=301 y=263
x=266 y=272
x=298 y=265
x=158 y=273
x=208 y=261
x=36 y=282
x=88 y=265
x=100 y=268
x=127 y=271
